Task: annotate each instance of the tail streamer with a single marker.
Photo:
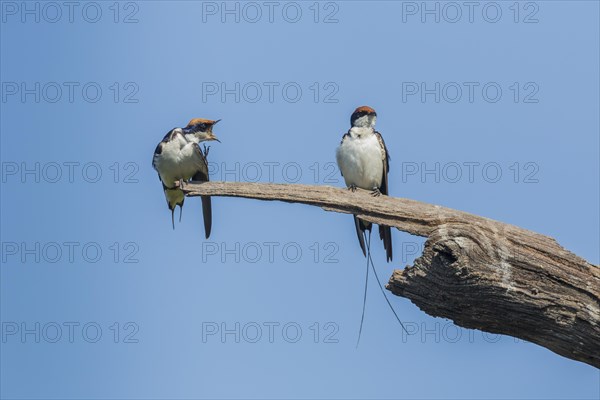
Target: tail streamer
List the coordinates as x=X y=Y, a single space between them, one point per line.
x=383 y=291
x=362 y=318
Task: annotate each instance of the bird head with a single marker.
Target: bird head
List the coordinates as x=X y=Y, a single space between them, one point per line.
x=363 y=117
x=200 y=130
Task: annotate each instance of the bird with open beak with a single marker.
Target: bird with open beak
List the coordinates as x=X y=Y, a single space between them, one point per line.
x=178 y=158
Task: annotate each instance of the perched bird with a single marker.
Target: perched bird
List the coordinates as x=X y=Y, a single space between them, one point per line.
x=178 y=159
x=363 y=160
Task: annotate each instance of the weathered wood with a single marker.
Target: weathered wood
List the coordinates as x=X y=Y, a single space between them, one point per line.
x=480 y=273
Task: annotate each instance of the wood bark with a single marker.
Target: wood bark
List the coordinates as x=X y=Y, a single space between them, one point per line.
x=480 y=273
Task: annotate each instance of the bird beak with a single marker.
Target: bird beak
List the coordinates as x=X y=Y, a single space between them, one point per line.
x=212 y=135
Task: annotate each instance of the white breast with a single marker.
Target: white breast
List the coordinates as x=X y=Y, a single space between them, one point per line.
x=178 y=160
x=360 y=160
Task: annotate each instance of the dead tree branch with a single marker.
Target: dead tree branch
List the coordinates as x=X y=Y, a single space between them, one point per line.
x=480 y=273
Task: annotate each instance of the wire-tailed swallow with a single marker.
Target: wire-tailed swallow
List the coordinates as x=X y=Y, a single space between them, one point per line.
x=363 y=160
x=178 y=158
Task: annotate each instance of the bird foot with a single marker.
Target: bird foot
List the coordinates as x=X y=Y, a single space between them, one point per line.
x=375 y=192
x=179 y=184
x=352 y=188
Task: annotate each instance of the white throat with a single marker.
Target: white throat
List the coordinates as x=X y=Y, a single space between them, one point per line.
x=361 y=132
x=190 y=137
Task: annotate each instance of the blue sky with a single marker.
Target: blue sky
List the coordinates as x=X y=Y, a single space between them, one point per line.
x=491 y=109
